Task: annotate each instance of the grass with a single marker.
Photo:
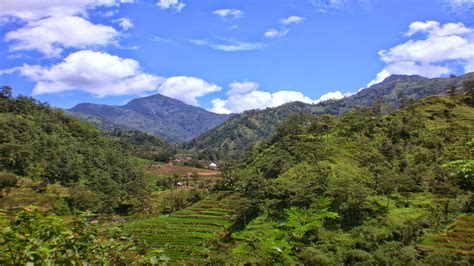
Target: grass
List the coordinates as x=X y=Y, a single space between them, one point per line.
x=184 y=235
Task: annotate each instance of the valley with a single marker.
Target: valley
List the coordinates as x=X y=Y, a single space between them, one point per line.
x=343 y=182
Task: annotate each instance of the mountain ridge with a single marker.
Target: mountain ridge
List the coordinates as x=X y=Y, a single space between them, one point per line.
x=165 y=117
x=233 y=137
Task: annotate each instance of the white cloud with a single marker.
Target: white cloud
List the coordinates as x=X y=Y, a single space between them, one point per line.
x=274 y=33
x=50 y=35
x=102 y=74
x=187 y=89
x=441 y=48
x=97 y=73
x=37 y=9
x=230 y=46
x=242 y=87
x=283 y=31
x=229 y=13
x=176 y=5
x=246 y=95
x=291 y=20
x=333 y=95
x=125 y=23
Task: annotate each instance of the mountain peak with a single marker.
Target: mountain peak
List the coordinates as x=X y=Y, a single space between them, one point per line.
x=402 y=77
x=168 y=118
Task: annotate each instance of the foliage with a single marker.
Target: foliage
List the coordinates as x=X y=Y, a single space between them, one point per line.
x=143 y=145
x=7 y=181
x=234 y=137
x=301 y=221
x=385 y=180
x=45 y=144
x=33 y=237
x=463 y=172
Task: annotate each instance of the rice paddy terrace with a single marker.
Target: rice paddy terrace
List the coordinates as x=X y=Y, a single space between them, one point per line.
x=457 y=240
x=184 y=235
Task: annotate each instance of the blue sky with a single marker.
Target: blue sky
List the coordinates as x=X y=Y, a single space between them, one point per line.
x=226 y=56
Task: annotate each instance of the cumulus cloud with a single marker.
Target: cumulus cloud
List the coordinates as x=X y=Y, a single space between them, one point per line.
x=125 y=23
x=97 y=73
x=187 y=89
x=176 y=5
x=229 y=13
x=440 y=48
x=35 y=9
x=246 y=96
x=50 y=35
x=49 y=26
x=229 y=46
x=102 y=74
x=274 y=33
x=291 y=20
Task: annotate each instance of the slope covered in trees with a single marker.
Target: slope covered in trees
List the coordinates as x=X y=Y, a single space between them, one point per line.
x=231 y=139
x=50 y=147
x=365 y=188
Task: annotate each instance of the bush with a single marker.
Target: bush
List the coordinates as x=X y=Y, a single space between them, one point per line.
x=7 y=181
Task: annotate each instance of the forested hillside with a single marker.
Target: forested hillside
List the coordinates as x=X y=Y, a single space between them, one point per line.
x=158 y=115
x=48 y=146
x=231 y=139
x=365 y=188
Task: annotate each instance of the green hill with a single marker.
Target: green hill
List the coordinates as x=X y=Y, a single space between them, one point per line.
x=232 y=138
x=361 y=189
x=48 y=146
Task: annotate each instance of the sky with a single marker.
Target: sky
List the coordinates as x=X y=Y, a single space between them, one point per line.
x=226 y=56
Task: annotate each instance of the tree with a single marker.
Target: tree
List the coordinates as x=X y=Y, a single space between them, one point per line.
x=469 y=86
x=7 y=181
x=452 y=91
x=6 y=92
x=300 y=221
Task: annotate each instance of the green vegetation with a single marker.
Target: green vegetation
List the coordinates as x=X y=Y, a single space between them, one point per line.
x=34 y=237
x=235 y=136
x=143 y=145
x=46 y=145
x=390 y=180
x=457 y=241
x=371 y=186
x=190 y=235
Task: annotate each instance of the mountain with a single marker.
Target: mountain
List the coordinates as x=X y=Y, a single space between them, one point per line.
x=236 y=135
x=165 y=117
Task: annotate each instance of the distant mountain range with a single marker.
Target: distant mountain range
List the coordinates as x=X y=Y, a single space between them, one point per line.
x=167 y=118
x=236 y=135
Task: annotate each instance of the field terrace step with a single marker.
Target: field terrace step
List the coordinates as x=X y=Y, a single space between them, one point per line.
x=457 y=239
x=183 y=235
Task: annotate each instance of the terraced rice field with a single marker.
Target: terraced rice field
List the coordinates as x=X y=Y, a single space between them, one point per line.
x=458 y=239
x=183 y=235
